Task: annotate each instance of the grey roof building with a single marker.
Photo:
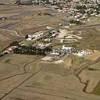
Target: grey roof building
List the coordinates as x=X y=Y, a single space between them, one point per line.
x=26 y=2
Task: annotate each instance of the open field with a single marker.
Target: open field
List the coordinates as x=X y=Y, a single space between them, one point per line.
x=14 y=67
x=91 y=36
x=33 y=79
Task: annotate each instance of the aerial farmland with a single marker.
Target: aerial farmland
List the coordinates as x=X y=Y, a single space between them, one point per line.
x=49 y=50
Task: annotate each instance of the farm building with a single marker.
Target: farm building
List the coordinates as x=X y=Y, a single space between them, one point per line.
x=26 y=2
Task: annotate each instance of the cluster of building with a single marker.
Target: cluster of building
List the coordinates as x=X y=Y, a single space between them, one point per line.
x=38 y=43
x=43 y=43
x=58 y=54
x=79 y=11
x=52 y=2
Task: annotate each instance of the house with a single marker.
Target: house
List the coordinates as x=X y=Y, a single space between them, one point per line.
x=67 y=49
x=3 y=18
x=82 y=53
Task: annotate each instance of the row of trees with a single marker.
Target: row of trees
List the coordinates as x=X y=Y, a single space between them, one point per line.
x=32 y=50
